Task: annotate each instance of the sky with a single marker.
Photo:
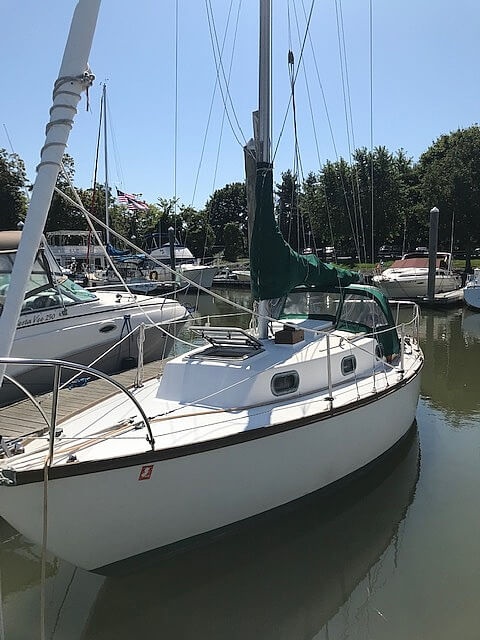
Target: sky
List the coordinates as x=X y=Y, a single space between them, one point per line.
x=407 y=80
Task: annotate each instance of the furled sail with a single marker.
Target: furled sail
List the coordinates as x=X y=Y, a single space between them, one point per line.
x=275 y=268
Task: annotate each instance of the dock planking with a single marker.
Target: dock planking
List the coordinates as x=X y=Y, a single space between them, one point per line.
x=22 y=418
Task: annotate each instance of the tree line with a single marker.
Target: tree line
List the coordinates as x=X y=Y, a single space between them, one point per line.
x=377 y=198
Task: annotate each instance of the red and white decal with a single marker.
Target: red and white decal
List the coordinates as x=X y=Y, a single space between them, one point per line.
x=146 y=472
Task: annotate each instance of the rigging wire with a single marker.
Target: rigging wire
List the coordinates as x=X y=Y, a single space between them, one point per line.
x=225 y=92
x=116 y=154
x=332 y=136
x=175 y=128
x=371 y=128
x=355 y=186
x=210 y=111
x=228 y=85
x=300 y=57
x=293 y=76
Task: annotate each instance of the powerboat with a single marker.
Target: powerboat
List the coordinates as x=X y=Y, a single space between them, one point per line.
x=408 y=278
x=471 y=291
x=60 y=319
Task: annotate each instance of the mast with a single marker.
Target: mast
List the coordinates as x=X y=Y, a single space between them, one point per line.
x=264 y=118
x=74 y=77
x=265 y=82
x=105 y=154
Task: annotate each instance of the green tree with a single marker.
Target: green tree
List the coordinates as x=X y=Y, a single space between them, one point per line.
x=234 y=242
x=199 y=235
x=449 y=178
x=380 y=171
x=228 y=204
x=290 y=221
x=62 y=214
x=13 y=200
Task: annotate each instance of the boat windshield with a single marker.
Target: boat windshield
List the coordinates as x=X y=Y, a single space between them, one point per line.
x=359 y=313
x=355 y=312
x=317 y=305
x=41 y=292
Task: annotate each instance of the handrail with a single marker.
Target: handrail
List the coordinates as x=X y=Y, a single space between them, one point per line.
x=63 y=364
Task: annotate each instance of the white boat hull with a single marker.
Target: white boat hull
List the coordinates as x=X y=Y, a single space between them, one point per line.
x=471 y=291
x=407 y=286
x=191 y=493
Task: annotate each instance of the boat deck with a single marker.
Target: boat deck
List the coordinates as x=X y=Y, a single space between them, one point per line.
x=22 y=418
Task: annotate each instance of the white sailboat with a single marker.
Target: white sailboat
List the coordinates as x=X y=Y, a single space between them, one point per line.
x=249 y=422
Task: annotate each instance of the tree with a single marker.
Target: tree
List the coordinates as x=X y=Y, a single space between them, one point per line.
x=13 y=200
x=290 y=221
x=62 y=214
x=449 y=178
x=234 y=238
x=199 y=235
x=228 y=204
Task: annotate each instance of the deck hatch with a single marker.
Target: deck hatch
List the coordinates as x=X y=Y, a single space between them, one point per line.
x=226 y=342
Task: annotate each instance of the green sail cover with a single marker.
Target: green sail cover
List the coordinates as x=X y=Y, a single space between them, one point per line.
x=275 y=268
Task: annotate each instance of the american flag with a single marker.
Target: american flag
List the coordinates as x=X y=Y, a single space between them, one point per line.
x=130 y=201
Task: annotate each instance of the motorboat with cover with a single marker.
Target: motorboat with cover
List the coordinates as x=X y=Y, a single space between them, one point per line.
x=408 y=277
x=323 y=384
x=60 y=319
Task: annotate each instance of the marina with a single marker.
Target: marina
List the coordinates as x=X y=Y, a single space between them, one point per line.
x=289 y=448
x=379 y=560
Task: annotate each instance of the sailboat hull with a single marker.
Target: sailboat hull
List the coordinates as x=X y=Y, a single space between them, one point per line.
x=190 y=492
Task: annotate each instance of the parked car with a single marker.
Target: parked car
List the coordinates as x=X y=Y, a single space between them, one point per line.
x=389 y=252
x=327 y=254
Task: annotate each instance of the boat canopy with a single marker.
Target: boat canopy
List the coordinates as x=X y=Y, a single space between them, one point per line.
x=381 y=321
x=275 y=267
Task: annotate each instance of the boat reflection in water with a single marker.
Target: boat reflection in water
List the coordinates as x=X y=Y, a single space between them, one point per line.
x=451 y=345
x=283 y=576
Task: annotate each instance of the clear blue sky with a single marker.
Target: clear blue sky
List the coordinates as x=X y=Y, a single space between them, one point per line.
x=425 y=83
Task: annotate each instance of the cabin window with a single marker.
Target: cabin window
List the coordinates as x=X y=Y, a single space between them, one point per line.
x=349 y=364
x=283 y=383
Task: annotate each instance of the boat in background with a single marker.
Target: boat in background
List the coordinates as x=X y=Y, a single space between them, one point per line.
x=242 y=275
x=59 y=319
x=76 y=250
x=185 y=265
x=471 y=291
x=408 y=278
x=322 y=385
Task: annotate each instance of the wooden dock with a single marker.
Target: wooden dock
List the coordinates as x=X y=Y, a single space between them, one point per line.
x=22 y=418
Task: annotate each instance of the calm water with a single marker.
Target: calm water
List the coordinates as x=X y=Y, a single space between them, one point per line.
x=395 y=557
